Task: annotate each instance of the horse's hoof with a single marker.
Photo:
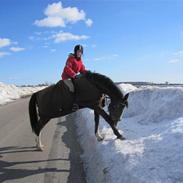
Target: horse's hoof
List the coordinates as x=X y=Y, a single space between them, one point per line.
x=100 y=139
x=121 y=138
x=40 y=148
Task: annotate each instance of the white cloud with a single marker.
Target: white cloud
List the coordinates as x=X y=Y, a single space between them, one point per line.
x=58 y=16
x=15 y=42
x=45 y=46
x=50 y=22
x=38 y=33
x=17 y=49
x=53 y=50
x=177 y=57
x=2 y=54
x=89 y=22
x=99 y=58
x=32 y=37
x=4 y=42
x=174 y=61
x=106 y=58
x=115 y=55
x=179 y=53
x=93 y=45
x=66 y=36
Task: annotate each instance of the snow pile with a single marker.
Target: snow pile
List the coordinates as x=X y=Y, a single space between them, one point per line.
x=152 y=151
x=126 y=88
x=9 y=93
x=156 y=104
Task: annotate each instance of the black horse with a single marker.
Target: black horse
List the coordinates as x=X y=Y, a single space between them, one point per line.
x=57 y=100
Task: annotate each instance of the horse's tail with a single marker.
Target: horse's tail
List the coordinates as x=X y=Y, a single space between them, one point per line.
x=33 y=115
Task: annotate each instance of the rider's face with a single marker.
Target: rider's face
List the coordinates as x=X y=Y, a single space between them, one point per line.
x=79 y=53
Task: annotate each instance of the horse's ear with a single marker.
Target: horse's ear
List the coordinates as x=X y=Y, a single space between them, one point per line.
x=126 y=97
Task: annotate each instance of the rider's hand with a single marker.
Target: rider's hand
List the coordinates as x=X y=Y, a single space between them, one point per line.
x=78 y=76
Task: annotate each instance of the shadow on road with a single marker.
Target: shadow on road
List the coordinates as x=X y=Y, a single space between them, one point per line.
x=16 y=149
x=8 y=172
x=50 y=168
x=70 y=139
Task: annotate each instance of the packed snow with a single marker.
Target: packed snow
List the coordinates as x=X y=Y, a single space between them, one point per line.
x=9 y=93
x=153 y=149
x=152 y=125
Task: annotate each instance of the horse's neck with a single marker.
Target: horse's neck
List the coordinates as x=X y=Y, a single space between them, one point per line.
x=113 y=98
x=110 y=93
x=106 y=86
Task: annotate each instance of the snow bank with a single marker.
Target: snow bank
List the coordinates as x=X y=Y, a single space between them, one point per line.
x=126 y=88
x=9 y=93
x=152 y=125
x=152 y=153
x=155 y=104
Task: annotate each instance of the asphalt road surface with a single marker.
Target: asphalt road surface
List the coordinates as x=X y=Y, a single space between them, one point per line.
x=20 y=162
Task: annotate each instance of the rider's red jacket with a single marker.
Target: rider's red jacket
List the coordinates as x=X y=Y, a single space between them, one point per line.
x=72 y=67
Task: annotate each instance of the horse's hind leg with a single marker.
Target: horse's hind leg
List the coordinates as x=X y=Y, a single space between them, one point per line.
x=42 y=122
x=39 y=144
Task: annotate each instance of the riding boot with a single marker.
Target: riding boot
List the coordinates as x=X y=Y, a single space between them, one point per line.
x=70 y=84
x=75 y=107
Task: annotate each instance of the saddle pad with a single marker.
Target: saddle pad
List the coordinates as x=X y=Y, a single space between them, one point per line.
x=54 y=99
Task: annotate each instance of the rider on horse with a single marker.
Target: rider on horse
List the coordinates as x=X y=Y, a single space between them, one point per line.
x=74 y=65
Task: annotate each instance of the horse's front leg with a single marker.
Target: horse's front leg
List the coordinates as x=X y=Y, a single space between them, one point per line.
x=97 y=134
x=100 y=111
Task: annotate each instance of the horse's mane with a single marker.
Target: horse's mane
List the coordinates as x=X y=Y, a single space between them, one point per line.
x=105 y=83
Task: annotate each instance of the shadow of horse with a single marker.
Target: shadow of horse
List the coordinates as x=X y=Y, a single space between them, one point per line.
x=9 y=174
x=69 y=138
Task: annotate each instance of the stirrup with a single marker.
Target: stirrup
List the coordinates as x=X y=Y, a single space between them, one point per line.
x=75 y=107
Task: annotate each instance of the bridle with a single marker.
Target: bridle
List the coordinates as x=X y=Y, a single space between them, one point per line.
x=113 y=106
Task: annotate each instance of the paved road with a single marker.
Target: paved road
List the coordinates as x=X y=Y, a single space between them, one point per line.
x=19 y=160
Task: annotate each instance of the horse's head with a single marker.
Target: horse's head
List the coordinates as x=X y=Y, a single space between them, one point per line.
x=116 y=109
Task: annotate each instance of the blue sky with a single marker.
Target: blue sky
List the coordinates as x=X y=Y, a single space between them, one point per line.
x=127 y=40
